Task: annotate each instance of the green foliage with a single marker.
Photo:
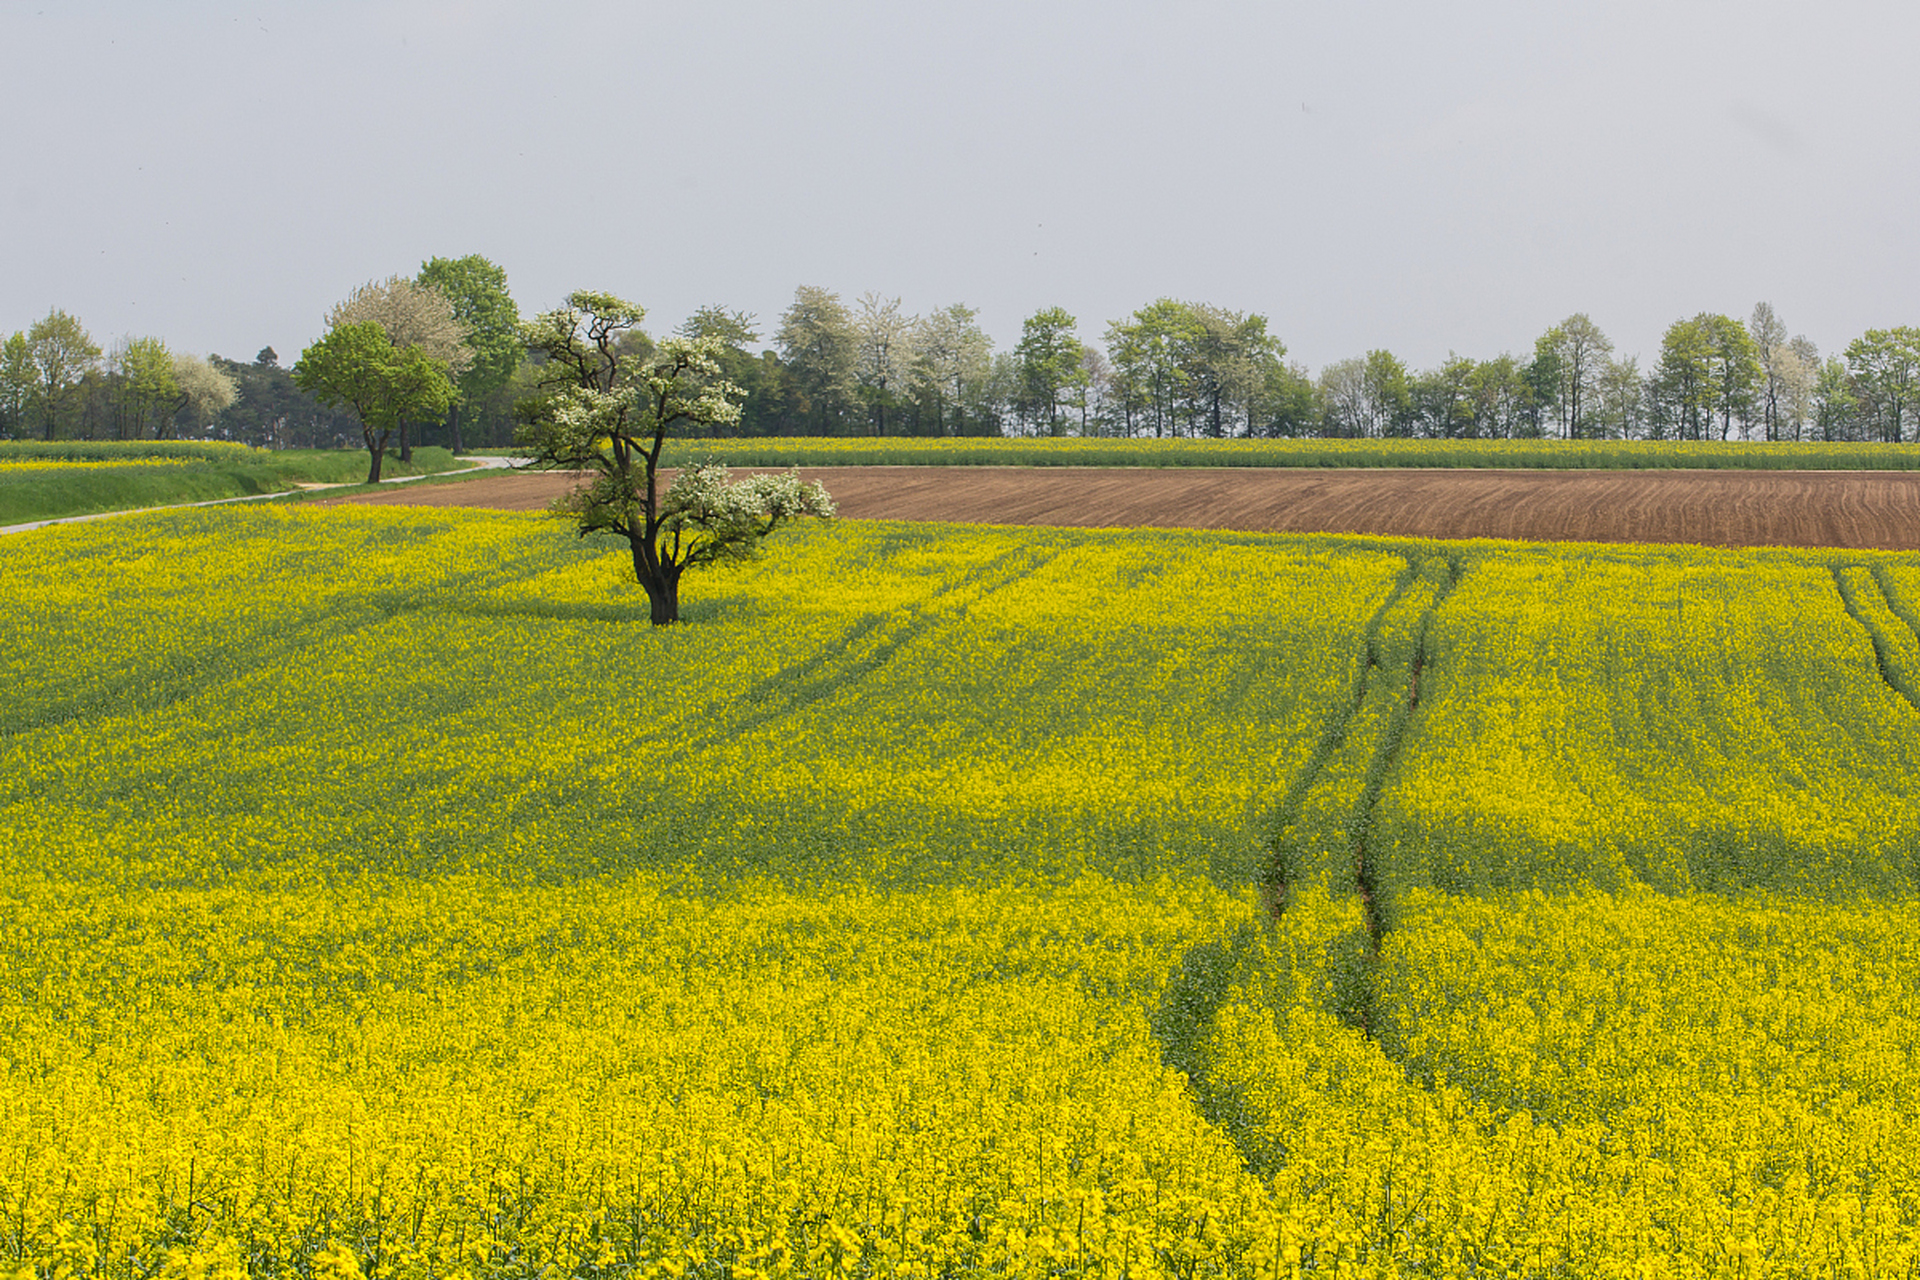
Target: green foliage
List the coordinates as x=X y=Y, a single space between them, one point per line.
x=1885 y=369
x=1149 y=374
x=144 y=389
x=1049 y=357
x=357 y=366
x=270 y=410
x=61 y=354
x=17 y=384
x=477 y=288
x=485 y=311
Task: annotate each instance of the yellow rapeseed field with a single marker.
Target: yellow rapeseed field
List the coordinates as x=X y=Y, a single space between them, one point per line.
x=383 y=897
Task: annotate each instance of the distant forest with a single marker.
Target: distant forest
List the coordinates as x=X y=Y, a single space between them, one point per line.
x=866 y=368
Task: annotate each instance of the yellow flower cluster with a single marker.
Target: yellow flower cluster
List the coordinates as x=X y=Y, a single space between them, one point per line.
x=12 y=465
x=380 y=896
x=1583 y=1086
x=1684 y=718
x=459 y=1077
x=362 y=690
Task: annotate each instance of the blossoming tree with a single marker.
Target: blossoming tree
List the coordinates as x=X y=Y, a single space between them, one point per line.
x=608 y=407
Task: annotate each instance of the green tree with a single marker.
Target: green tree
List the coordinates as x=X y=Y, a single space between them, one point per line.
x=1502 y=398
x=1544 y=379
x=18 y=379
x=1443 y=400
x=142 y=390
x=412 y=315
x=820 y=347
x=1389 y=395
x=1226 y=356
x=1049 y=358
x=609 y=413
x=1149 y=379
x=1573 y=355
x=1619 y=403
x=270 y=410
x=490 y=325
x=1287 y=403
x=1733 y=364
x=1835 y=409
x=356 y=366
x=1885 y=364
x=63 y=354
x=1681 y=390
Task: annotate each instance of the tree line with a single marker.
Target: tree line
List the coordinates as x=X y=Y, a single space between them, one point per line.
x=830 y=367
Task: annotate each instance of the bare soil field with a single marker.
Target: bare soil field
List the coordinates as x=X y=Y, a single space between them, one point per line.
x=1853 y=509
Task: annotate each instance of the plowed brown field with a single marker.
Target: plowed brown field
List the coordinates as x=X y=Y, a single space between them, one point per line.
x=1863 y=509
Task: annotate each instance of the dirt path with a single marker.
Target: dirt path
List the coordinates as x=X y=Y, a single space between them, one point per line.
x=1853 y=509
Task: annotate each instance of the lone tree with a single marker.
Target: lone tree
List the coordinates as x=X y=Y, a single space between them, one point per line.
x=356 y=366
x=608 y=411
x=413 y=315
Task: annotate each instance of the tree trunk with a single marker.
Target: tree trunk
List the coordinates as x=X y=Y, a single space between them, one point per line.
x=662 y=583
x=375 y=453
x=406 y=444
x=454 y=419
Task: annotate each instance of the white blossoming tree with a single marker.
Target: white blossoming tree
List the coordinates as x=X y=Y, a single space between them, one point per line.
x=609 y=405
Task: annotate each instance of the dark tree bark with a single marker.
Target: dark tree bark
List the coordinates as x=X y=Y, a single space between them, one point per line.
x=661 y=581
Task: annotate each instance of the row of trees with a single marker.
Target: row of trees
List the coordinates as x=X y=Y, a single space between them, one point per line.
x=828 y=367
x=1171 y=368
x=1716 y=378
x=456 y=316
x=54 y=382
x=1177 y=368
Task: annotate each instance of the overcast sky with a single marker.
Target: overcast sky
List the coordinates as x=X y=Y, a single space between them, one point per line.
x=1423 y=177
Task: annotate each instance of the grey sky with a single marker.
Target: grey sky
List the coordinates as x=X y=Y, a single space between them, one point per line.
x=1420 y=177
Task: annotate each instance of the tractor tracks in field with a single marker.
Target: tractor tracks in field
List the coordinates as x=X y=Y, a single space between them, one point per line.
x=1891 y=628
x=286 y=643
x=1322 y=830
x=867 y=646
x=1323 y=833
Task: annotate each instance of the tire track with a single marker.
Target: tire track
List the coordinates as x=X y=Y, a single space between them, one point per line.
x=868 y=645
x=1396 y=654
x=1895 y=603
x=282 y=645
x=1896 y=650
x=1286 y=860
x=1376 y=884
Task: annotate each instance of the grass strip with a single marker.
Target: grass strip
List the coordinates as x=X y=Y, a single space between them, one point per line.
x=1601 y=455
x=96 y=485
